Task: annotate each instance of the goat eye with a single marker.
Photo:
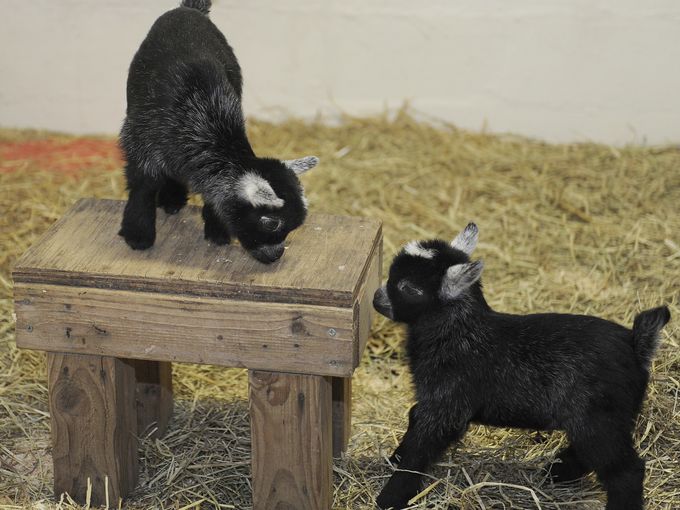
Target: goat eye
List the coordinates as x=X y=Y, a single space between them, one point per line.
x=270 y=224
x=409 y=289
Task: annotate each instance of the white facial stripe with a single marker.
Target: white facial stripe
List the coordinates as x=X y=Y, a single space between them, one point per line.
x=466 y=241
x=416 y=249
x=256 y=190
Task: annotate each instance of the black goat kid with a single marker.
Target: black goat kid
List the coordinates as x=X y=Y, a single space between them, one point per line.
x=581 y=374
x=184 y=130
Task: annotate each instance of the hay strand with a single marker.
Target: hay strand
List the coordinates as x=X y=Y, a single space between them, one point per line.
x=572 y=228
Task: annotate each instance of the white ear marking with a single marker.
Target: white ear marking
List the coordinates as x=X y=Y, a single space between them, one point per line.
x=416 y=249
x=301 y=165
x=256 y=190
x=459 y=278
x=466 y=241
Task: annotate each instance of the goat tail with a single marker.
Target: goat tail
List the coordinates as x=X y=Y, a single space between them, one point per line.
x=200 y=5
x=646 y=329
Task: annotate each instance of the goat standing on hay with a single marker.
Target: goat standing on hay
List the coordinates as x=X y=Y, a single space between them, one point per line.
x=184 y=129
x=582 y=374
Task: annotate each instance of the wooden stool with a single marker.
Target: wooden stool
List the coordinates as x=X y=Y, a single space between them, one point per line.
x=113 y=319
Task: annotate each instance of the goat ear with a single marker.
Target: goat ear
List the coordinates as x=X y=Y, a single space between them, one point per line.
x=257 y=191
x=458 y=278
x=301 y=165
x=466 y=241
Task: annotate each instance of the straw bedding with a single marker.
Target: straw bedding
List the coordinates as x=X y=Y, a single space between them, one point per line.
x=573 y=228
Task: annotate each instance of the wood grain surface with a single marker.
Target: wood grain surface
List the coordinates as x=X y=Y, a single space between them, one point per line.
x=94 y=426
x=160 y=327
x=123 y=315
x=291 y=441
x=363 y=307
x=153 y=396
x=323 y=264
x=342 y=413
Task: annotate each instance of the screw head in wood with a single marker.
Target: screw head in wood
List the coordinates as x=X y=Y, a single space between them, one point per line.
x=332 y=332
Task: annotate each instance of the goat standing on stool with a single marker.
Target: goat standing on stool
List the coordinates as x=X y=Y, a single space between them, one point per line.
x=184 y=130
x=581 y=374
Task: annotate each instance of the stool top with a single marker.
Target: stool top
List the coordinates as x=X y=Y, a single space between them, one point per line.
x=325 y=261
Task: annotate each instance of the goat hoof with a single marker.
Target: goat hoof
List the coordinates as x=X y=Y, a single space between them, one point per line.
x=172 y=209
x=397 y=501
x=138 y=240
x=564 y=471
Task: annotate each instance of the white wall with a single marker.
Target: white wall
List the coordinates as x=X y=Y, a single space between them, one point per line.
x=562 y=70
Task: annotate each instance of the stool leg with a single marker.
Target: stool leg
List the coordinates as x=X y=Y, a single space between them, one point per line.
x=154 y=396
x=94 y=426
x=291 y=424
x=342 y=413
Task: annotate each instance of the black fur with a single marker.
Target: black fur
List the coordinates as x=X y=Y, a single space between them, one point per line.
x=471 y=364
x=200 y=5
x=184 y=131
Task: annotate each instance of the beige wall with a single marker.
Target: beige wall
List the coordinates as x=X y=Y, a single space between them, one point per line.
x=562 y=70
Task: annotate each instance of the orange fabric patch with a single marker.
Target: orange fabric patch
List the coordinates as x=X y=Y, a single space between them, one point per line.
x=66 y=156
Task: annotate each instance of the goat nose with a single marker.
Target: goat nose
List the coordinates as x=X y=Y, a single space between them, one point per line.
x=382 y=304
x=268 y=253
x=277 y=251
x=379 y=295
